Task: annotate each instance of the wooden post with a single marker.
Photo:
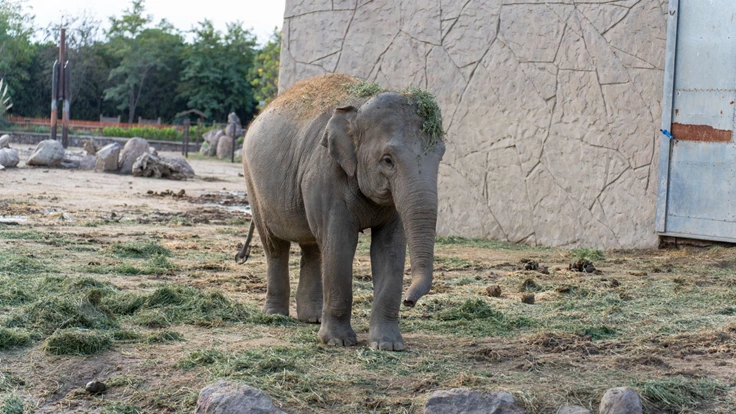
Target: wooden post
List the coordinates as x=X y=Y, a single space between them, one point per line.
x=185 y=147
x=199 y=132
x=54 y=99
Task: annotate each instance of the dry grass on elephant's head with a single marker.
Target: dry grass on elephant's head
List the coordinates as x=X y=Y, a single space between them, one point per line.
x=314 y=96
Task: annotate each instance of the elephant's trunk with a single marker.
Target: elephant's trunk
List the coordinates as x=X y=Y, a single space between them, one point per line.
x=417 y=206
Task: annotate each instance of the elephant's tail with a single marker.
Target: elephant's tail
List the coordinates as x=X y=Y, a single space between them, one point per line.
x=244 y=252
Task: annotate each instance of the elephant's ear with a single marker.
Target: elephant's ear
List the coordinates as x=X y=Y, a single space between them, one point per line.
x=338 y=138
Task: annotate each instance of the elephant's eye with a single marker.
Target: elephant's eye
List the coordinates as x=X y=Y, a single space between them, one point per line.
x=387 y=161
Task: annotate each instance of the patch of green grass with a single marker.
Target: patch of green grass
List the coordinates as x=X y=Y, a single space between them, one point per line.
x=483 y=243
x=126 y=336
x=587 y=254
x=452 y=263
x=680 y=394
x=470 y=309
x=19 y=265
x=530 y=285
x=14 y=338
x=597 y=332
x=77 y=342
x=117 y=408
x=163 y=337
x=139 y=250
x=201 y=357
x=53 y=312
x=13 y=404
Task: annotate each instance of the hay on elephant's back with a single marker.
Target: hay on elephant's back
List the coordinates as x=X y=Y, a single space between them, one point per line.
x=316 y=95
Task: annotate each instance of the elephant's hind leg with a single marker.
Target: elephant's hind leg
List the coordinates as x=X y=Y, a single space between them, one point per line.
x=309 y=292
x=277 y=259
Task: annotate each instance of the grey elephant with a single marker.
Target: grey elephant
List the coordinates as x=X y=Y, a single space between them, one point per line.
x=329 y=158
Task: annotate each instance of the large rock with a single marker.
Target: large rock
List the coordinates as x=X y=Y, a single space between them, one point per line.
x=465 y=401
x=225 y=147
x=224 y=397
x=107 y=158
x=214 y=141
x=5 y=141
x=148 y=165
x=233 y=129
x=204 y=148
x=88 y=162
x=9 y=157
x=48 y=153
x=620 y=401
x=573 y=409
x=90 y=146
x=134 y=148
x=180 y=164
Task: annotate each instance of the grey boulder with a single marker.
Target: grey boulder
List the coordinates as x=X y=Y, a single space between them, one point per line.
x=5 y=141
x=107 y=158
x=48 y=153
x=214 y=141
x=620 y=401
x=9 y=157
x=465 y=401
x=225 y=397
x=133 y=149
x=573 y=409
x=180 y=164
x=88 y=162
x=225 y=147
x=148 y=165
x=204 y=148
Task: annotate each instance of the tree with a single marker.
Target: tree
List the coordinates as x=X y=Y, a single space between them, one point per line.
x=16 y=48
x=143 y=51
x=215 y=75
x=265 y=73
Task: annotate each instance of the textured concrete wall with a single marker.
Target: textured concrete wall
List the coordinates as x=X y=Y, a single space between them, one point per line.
x=551 y=108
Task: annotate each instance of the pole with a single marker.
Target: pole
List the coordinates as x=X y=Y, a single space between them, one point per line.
x=67 y=104
x=61 y=85
x=54 y=98
x=185 y=147
x=199 y=132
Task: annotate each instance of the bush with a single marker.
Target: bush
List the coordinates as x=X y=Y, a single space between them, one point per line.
x=163 y=134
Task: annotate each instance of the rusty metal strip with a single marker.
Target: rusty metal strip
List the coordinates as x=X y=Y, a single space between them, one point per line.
x=700 y=133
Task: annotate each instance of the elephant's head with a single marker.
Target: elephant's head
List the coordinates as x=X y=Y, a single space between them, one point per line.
x=388 y=147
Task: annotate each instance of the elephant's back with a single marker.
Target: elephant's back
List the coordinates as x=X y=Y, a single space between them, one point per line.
x=311 y=97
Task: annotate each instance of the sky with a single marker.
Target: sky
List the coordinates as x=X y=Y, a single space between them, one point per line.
x=262 y=16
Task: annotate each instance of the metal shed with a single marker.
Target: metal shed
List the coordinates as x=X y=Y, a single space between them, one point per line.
x=697 y=164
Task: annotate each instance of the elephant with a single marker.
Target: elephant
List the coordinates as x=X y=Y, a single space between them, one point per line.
x=327 y=159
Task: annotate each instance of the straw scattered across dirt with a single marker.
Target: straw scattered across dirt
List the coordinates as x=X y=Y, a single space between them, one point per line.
x=100 y=279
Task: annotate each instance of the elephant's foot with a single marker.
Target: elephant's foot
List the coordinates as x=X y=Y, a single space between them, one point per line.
x=334 y=333
x=275 y=309
x=386 y=336
x=309 y=312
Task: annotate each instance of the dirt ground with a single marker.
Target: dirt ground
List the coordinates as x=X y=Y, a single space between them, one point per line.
x=145 y=268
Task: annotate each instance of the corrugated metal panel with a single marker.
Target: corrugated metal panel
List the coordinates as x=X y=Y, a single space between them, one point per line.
x=699 y=180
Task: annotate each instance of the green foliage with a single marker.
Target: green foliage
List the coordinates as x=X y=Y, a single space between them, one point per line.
x=5 y=104
x=587 y=254
x=470 y=309
x=680 y=394
x=215 y=74
x=151 y=133
x=77 y=342
x=264 y=74
x=363 y=89
x=430 y=112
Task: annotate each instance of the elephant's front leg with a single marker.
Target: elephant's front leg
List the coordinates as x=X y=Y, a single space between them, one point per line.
x=338 y=245
x=388 y=253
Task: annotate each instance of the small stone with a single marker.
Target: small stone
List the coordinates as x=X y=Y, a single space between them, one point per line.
x=620 y=401
x=5 y=141
x=465 y=401
x=544 y=270
x=573 y=409
x=615 y=283
x=528 y=299
x=95 y=387
x=494 y=291
x=225 y=397
x=589 y=268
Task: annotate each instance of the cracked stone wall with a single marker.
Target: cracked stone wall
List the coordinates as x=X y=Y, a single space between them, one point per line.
x=551 y=107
